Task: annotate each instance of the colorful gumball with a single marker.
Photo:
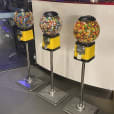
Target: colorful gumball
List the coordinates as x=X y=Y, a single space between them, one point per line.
x=50 y=23
x=23 y=19
x=86 y=29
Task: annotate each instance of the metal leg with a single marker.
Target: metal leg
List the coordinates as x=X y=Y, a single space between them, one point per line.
x=51 y=93
x=80 y=107
x=30 y=82
x=28 y=78
x=77 y=106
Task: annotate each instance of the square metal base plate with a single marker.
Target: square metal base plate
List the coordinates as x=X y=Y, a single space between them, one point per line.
x=58 y=97
x=71 y=108
x=31 y=87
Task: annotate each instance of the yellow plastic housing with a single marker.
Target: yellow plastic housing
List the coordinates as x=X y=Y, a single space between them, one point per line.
x=26 y=35
x=87 y=56
x=54 y=43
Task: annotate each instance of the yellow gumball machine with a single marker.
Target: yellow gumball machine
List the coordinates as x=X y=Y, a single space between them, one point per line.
x=51 y=43
x=84 y=52
x=86 y=30
x=24 y=22
x=25 y=35
x=50 y=25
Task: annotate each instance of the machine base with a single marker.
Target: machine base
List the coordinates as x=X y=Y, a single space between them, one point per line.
x=71 y=108
x=84 y=60
x=55 y=99
x=52 y=44
x=51 y=49
x=31 y=86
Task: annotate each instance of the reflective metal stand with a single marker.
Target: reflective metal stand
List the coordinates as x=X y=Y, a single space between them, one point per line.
x=52 y=91
x=52 y=94
x=30 y=82
x=78 y=106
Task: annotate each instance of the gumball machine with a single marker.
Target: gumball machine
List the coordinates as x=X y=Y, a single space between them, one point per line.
x=50 y=25
x=24 y=22
x=86 y=30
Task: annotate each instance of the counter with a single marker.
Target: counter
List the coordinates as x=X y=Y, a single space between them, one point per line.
x=100 y=71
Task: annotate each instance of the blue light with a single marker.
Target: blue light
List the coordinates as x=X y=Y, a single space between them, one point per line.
x=24 y=83
x=5 y=29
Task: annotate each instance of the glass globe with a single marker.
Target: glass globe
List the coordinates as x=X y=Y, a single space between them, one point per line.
x=23 y=19
x=50 y=23
x=86 y=29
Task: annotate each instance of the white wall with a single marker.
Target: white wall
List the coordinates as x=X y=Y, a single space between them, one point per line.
x=100 y=71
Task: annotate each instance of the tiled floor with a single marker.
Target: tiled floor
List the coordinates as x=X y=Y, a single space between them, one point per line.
x=16 y=100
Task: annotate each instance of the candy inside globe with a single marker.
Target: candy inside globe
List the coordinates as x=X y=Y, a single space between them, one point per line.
x=86 y=29
x=50 y=23
x=23 y=19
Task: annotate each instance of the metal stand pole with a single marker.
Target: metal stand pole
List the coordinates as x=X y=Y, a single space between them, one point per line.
x=77 y=105
x=81 y=106
x=52 y=75
x=50 y=93
x=28 y=78
x=31 y=83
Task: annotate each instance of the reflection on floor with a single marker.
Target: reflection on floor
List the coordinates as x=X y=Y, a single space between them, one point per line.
x=16 y=60
x=15 y=100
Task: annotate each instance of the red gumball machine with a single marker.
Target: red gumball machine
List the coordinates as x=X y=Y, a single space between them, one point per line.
x=86 y=30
